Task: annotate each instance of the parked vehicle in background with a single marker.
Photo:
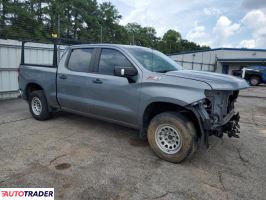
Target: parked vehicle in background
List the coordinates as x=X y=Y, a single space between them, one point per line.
x=255 y=75
x=136 y=87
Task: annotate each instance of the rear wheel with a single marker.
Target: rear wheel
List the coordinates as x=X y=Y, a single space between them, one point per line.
x=38 y=105
x=172 y=137
x=254 y=80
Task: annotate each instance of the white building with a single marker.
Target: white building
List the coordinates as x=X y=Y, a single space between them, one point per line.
x=221 y=60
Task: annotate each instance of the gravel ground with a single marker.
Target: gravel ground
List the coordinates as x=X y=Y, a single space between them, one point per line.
x=84 y=158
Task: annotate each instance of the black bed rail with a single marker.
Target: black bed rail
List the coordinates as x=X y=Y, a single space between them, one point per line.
x=55 y=42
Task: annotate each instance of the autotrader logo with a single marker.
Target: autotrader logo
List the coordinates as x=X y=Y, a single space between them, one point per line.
x=27 y=193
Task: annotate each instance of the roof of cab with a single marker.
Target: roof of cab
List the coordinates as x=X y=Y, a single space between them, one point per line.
x=106 y=45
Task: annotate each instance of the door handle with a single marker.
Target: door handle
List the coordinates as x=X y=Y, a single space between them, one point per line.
x=62 y=76
x=97 y=81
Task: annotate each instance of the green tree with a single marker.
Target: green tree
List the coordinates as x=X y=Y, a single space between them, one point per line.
x=172 y=36
x=109 y=19
x=3 y=15
x=142 y=36
x=170 y=42
x=17 y=21
x=83 y=20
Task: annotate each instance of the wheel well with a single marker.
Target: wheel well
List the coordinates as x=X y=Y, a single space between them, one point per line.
x=254 y=75
x=32 y=87
x=156 y=108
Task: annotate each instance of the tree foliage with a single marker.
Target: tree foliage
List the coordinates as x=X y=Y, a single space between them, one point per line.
x=84 y=20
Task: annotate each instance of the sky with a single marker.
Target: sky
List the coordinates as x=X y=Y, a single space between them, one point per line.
x=216 y=23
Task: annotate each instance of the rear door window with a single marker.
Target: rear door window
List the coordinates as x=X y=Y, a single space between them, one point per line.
x=80 y=60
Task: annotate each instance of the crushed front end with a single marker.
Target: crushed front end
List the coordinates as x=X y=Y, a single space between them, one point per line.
x=217 y=114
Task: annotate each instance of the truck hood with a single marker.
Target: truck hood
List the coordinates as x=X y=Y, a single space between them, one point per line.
x=215 y=80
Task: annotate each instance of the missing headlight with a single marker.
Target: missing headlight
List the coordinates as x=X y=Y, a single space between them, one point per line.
x=208 y=105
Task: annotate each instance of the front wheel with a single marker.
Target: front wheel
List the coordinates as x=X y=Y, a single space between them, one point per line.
x=38 y=105
x=172 y=136
x=254 y=80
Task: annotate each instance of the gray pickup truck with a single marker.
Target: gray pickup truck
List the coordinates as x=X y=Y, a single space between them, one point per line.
x=139 y=88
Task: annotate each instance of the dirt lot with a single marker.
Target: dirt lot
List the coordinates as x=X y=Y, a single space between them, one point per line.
x=89 y=159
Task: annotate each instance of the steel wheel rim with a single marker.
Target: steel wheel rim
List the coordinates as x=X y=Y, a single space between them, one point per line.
x=168 y=139
x=254 y=81
x=36 y=105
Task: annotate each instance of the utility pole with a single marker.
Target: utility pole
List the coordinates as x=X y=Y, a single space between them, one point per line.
x=101 y=34
x=58 y=36
x=58 y=25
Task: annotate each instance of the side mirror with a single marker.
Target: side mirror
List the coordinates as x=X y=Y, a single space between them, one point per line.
x=125 y=71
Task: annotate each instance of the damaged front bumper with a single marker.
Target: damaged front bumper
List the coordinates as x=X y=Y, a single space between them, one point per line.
x=228 y=125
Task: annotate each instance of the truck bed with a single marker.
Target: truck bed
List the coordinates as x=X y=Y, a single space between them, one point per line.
x=41 y=75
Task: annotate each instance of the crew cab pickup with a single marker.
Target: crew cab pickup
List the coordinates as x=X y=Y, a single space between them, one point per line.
x=255 y=75
x=136 y=87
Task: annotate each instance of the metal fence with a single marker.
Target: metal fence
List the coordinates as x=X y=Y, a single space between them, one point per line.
x=10 y=51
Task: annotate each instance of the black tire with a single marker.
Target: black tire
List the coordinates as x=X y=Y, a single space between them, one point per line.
x=254 y=80
x=44 y=111
x=186 y=131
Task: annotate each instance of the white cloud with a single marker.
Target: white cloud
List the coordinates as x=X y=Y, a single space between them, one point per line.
x=247 y=44
x=161 y=14
x=224 y=29
x=216 y=28
x=212 y=11
x=218 y=37
x=255 y=20
x=198 y=34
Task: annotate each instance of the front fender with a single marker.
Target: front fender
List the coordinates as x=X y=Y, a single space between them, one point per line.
x=181 y=96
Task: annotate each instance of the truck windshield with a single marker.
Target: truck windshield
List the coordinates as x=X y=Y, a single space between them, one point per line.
x=153 y=60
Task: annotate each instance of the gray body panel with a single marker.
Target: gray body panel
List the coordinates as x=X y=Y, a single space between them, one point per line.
x=215 y=80
x=43 y=76
x=116 y=99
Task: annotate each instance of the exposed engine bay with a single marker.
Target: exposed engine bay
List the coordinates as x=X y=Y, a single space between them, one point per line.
x=217 y=113
x=220 y=105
